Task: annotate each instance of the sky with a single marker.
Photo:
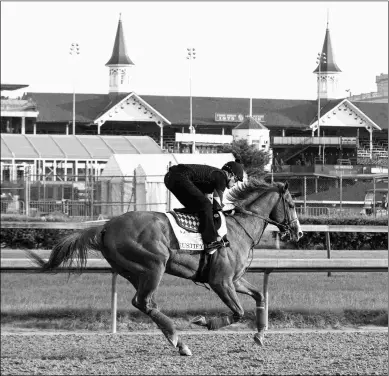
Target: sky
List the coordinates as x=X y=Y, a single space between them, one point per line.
x=244 y=49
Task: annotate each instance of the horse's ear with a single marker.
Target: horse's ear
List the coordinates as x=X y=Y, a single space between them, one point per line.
x=285 y=186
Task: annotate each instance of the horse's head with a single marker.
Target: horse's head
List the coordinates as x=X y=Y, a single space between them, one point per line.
x=270 y=202
x=284 y=213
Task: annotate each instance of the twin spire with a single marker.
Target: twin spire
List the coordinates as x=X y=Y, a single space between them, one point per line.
x=327 y=70
x=328 y=64
x=119 y=65
x=120 y=58
x=119 y=53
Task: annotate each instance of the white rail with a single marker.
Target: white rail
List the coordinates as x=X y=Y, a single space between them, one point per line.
x=266 y=266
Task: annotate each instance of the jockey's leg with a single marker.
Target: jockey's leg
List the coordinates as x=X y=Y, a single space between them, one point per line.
x=195 y=200
x=207 y=225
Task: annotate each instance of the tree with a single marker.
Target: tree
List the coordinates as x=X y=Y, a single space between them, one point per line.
x=253 y=160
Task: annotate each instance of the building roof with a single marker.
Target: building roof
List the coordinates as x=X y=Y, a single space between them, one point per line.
x=119 y=53
x=325 y=106
x=12 y=86
x=278 y=112
x=282 y=113
x=58 y=107
x=378 y=112
x=250 y=123
x=327 y=65
x=74 y=147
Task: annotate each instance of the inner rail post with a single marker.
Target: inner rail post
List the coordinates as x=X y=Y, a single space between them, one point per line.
x=114 y=301
x=328 y=246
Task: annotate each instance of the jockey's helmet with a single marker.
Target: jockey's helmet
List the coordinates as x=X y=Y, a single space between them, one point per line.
x=235 y=169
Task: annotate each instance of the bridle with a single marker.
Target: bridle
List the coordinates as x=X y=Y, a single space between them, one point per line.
x=285 y=225
x=287 y=219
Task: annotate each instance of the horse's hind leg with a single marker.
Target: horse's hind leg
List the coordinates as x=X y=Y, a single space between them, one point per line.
x=143 y=300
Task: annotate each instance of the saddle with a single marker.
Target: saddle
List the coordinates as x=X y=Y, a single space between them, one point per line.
x=189 y=238
x=189 y=220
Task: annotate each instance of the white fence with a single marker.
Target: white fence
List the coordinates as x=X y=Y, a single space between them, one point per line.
x=12 y=207
x=313 y=211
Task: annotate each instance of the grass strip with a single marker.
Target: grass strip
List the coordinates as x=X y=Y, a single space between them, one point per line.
x=100 y=320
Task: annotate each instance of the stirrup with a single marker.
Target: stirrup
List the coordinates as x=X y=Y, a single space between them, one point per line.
x=214 y=244
x=211 y=251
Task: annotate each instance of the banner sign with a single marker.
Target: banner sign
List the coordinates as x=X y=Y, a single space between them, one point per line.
x=343 y=167
x=236 y=118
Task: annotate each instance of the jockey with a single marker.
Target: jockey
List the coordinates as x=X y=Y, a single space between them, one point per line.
x=191 y=182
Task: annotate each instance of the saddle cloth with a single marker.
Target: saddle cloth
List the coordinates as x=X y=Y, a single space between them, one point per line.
x=186 y=229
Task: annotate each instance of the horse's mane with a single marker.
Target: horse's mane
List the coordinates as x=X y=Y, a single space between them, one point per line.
x=239 y=194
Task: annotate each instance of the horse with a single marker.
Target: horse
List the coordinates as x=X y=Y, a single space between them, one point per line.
x=141 y=246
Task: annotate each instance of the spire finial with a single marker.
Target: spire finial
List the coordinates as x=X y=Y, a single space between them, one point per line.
x=328 y=18
x=120 y=16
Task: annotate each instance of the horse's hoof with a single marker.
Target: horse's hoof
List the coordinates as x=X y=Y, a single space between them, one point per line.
x=258 y=339
x=173 y=339
x=184 y=351
x=199 y=320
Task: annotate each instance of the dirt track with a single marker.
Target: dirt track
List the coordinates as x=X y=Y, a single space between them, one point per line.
x=346 y=352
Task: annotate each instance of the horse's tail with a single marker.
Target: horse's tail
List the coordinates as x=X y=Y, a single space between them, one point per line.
x=72 y=248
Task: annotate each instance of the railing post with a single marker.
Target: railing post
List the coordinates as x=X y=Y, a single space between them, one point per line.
x=277 y=240
x=374 y=191
x=341 y=191
x=305 y=195
x=114 y=301
x=168 y=193
x=328 y=246
x=92 y=192
x=135 y=182
x=27 y=190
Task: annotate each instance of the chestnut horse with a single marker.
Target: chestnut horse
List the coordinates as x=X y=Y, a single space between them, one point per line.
x=141 y=247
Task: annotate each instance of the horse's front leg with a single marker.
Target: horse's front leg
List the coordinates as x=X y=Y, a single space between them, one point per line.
x=244 y=287
x=225 y=289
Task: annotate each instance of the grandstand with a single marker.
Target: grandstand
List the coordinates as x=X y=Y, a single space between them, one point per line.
x=380 y=148
x=351 y=132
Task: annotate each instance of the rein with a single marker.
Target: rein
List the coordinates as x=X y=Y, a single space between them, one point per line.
x=267 y=220
x=285 y=226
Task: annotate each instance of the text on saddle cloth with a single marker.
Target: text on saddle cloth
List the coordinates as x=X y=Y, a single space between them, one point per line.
x=185 y=228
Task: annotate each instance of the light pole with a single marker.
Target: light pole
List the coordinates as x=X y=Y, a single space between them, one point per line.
x=74 y=51
x=321 y=57
x=191 y=56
